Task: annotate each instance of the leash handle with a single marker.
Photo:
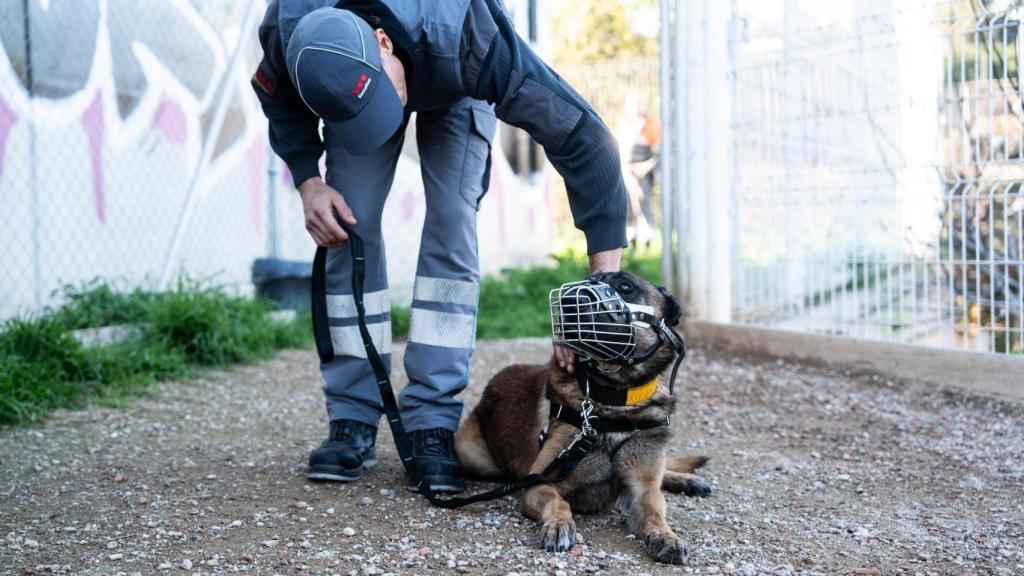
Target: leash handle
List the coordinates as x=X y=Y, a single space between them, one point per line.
x=560 y=468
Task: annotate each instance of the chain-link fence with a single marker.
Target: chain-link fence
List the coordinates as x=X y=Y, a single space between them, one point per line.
x=132 y=149
x=131 y=144
x=874 y=168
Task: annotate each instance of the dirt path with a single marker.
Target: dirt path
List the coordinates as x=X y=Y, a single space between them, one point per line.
x=816 y=472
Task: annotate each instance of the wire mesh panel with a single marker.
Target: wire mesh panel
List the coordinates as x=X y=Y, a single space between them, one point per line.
x=878 y=169
x=133 y=149
x=112 y=116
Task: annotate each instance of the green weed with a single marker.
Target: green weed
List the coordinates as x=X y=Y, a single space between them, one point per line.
x=194 y=326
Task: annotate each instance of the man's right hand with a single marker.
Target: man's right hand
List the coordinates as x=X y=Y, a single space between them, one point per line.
x=566 y=358
x=320 y=202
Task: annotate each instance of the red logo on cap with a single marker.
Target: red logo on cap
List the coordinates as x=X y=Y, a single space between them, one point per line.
x=359 y=85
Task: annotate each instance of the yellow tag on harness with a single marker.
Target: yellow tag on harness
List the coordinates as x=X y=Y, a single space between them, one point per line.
x=641 y=393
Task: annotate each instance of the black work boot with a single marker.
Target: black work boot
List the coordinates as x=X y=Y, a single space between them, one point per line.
x=434 y=454
x=348 y=450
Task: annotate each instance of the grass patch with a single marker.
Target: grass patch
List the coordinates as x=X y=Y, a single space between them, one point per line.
x=194 y=326
x=514 y=304
x=400 y=316
x=197 y=326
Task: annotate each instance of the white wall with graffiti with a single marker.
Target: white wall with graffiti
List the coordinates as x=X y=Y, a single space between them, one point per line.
x=106 y=110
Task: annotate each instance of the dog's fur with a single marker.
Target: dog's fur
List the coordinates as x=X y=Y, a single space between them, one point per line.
x=499 y=440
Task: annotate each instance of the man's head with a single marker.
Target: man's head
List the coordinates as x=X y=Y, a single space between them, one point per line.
x=348 y=74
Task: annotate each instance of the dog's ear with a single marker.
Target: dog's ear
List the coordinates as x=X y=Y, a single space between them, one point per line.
x=670 y=310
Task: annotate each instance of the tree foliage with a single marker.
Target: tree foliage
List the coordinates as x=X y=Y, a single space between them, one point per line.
x=595 y=30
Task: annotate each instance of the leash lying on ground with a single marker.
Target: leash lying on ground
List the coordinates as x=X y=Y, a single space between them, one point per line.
x=560 y=468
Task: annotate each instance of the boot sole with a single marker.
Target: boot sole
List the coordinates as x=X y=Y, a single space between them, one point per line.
x=338 y=474
x=439 y=488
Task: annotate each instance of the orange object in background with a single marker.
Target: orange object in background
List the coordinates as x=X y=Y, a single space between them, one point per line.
x=652 y=130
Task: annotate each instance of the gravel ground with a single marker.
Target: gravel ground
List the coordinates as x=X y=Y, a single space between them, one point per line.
x=817 y=471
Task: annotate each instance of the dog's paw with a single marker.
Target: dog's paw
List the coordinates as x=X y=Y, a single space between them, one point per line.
x=666 y=548
x=697 y=487
x=687 y=484
x=558 y=535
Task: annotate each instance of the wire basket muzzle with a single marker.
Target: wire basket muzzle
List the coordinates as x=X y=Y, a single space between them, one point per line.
x=591 y=319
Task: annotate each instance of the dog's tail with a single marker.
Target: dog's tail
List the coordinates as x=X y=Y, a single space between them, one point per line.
x=686 y=464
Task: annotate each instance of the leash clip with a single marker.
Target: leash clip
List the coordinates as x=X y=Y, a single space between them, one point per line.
x=586 y=436
x=586 y=408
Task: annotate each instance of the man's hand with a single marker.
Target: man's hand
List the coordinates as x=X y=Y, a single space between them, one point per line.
x=607 y=261
x=320 y=202
x=566 y=358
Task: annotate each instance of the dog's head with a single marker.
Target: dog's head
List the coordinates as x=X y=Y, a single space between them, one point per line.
x=638 y=290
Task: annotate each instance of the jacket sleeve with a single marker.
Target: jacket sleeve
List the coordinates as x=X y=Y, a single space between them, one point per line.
x=498 y=66
x=294 y=129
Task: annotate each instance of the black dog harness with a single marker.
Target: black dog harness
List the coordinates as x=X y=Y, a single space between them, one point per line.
x=600 y=425
x=596 y=391
x=559 y=469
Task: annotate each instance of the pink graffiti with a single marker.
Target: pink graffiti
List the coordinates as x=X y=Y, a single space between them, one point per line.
x=408 y=205
x=256 y=156
x=92 y=121
x=7 y=119
x=169 y=120
x=286 y=175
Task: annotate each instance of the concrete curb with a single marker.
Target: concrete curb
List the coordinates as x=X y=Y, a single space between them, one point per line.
x=993 y=374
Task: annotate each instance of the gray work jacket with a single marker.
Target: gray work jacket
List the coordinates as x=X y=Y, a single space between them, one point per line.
x=453 y=49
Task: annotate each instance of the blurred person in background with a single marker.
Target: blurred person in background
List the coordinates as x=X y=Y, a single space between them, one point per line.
x=360 y=68
x=639 y=134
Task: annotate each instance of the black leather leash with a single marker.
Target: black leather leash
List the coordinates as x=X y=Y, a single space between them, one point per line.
x=560 y=468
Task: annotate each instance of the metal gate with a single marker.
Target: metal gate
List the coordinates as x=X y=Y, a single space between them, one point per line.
x=848 y=168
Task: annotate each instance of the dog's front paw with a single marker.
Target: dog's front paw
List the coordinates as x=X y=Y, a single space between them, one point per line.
x=666 y=547
x=558 y=535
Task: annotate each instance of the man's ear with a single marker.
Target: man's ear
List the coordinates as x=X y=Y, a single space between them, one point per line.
x=670 y=309
x=384 y=41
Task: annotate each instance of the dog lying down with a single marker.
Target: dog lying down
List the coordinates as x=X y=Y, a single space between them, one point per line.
x=499 y=439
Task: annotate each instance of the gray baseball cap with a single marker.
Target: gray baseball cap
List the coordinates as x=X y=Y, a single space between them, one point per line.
x=334 y=63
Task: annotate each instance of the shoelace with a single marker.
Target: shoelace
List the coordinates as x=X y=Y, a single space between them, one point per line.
x=433 y=444
x=343 y=432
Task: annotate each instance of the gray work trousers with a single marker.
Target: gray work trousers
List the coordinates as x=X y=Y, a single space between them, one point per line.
x=454 y=147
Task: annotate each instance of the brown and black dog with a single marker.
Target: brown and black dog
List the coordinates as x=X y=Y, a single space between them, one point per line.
x=499 y=439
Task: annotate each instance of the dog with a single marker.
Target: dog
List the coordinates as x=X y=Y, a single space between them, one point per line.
x=499 y=438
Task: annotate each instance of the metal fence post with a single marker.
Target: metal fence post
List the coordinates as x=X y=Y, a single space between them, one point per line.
x=692 y=182
x=668 y=145
x=273 y=173
x=37 y=245
x=718 y=135
x=226 y=89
